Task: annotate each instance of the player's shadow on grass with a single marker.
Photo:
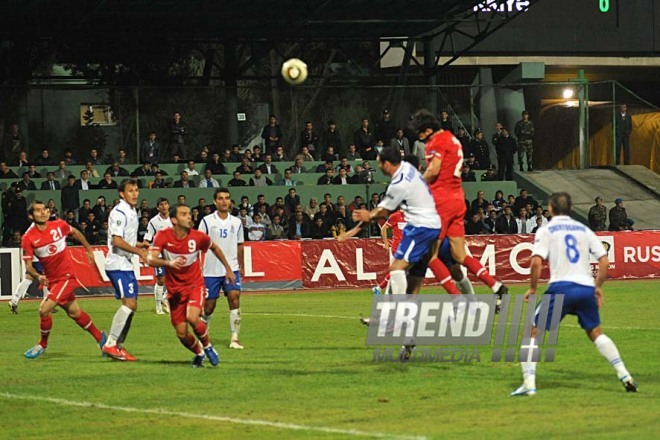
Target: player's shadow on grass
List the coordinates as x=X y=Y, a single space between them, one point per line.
x=166 y=362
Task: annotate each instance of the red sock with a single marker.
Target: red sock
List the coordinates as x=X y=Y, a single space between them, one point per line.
x=202 y=332
x=386 y=280
x=191 y=344
x=45 y=325
x=85 y=322
x=476 y=268
x=442 y=274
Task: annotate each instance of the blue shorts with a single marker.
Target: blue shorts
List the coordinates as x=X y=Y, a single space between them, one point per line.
x=579 y=300
x=416 y=243
x=215 y=284
x=124 y=282
x=159 y=271
x=444 y=253
x=38 y=267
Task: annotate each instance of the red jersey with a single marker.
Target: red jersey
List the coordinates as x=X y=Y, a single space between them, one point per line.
x=49 y=246
x=447 y=184
x=189 y=247
x=396 y=222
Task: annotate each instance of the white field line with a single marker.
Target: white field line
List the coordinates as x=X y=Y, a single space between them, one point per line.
x=187 y=415
x=355 y=318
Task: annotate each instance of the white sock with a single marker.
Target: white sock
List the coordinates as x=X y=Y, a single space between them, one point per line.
x=207 y=320
x=235 y=323
x=21 y=290
x=158 y=295
x=496 y=286
x=398 y=282
x=609 y=351
x=529 y=370
x=465 y=286
x=118 y=324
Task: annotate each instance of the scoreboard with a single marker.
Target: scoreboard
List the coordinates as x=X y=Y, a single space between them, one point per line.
x=573 y=27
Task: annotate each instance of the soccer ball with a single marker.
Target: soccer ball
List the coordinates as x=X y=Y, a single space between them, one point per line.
x=294 y=71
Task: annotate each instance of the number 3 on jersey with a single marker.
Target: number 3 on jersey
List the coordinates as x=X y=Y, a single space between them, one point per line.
x=572 y=252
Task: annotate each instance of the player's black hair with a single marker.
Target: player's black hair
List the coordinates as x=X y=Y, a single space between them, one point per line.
x=125 y=182
x=161 y=200
x=423 y=120
x=391 y=155
x=412 y=160
x=217 y=191
x=175 y=208
x=561 y=203
x=32 y=205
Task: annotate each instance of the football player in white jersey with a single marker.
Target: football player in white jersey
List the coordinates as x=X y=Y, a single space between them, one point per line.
x=158 y=222
x=409 y=191
x=122 y=241
x=226 y=231
x=567 y=244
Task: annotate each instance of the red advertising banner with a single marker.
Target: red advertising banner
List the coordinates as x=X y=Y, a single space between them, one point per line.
x=359 y=263
x=353 y=263
x=274 y=264
x=362 y=262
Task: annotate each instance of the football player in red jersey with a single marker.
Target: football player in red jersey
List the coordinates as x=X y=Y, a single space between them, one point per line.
x=47 y=241
x=185 y=285
x=444 y=155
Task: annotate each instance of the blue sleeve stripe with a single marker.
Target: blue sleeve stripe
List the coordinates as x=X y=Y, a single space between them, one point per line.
x=398 y=180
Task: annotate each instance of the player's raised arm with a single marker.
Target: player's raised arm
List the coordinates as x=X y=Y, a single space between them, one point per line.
x=350 y=234
x=218 y=253
x=383 y=234
x=80 y=238
x=362 y=215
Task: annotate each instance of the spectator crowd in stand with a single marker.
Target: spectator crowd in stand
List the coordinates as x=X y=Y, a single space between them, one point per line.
x=286 y=217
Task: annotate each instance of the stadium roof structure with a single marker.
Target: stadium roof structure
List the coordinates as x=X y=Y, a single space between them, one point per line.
x=242 y=20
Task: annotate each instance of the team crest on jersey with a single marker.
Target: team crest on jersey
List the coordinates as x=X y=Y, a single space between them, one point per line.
x=118 y=222
x=232 y=230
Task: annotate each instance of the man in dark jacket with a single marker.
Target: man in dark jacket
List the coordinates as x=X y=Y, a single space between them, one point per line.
x=272 y=135
x=150 y=150
x=623 y=128
x=331 y=138
x=385 y=128
x=50 y=183
x=619 y=217
x=506 y=147
x=506 y=224
x=365 y=141
x=69 y=198
x=178 y=132
x=479 y=147
x=309 y=139
x=598 y=216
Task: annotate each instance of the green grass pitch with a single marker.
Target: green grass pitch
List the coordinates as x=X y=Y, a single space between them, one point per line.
x=306 y=373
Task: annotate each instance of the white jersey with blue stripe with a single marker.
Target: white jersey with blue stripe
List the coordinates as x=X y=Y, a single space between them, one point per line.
x=227 y=234
x=409 y=190
x=156 y=224
x=567 y=244
x=122 y=222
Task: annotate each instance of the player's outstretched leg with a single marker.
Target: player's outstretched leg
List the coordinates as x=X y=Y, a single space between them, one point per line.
x=120 y=321
x=608 y=350
x=382 y=285
x=19 y=294
x=158 y=296
x=45 y=325
x=202 y=333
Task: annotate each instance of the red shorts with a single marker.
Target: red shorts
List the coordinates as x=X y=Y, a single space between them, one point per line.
x=62 y=291
x=179 y=303
x=452 y=216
